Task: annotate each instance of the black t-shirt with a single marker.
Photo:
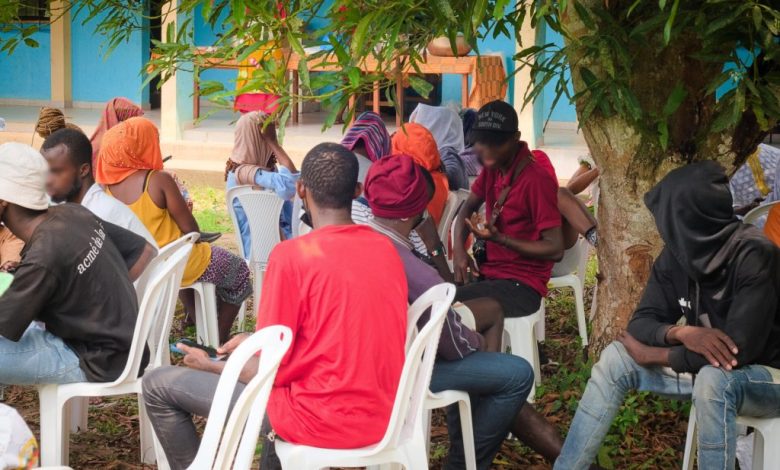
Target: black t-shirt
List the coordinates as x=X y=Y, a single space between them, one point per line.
x=74 y=278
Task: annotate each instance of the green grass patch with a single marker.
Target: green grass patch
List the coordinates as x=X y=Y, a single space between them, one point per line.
x=209 y=209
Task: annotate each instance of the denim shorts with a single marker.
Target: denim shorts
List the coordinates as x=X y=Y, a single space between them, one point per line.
x=39 y=357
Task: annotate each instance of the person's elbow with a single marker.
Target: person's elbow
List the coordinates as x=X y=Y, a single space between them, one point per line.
x=147 y=255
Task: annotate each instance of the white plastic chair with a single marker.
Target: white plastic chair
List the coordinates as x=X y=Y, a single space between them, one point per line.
x=758 y=212
x=446 y=398
x=230 y=441
x=79 y=405
x=576 y=281
x=263 y=209
x=154 y=320
x=404 y=441
x=455 y=200
x=296 y=216
x=766 y=451
x=519 y=333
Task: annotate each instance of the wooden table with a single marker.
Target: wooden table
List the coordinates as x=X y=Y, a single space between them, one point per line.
x=488 y=78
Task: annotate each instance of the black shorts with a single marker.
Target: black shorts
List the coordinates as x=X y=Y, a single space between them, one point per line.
x=516 y=298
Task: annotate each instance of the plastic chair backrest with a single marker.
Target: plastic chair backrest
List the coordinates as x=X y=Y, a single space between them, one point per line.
x=230 y=196
x=455 y=200
x=755 y=214
x=296 y=216
x=159 y=299
x=263 y=209
x=418 y=366
x=232 y=444
x=162 y=254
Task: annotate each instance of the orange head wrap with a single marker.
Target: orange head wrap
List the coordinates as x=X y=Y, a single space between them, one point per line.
x=129 y=146
x=417 y=142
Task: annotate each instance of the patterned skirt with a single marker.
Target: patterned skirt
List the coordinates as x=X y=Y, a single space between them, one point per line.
x=229 y=274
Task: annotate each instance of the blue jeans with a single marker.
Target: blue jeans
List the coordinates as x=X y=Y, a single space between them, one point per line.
x=498 y=385
x=719 y=396
x=285 y=219
x=38 y=357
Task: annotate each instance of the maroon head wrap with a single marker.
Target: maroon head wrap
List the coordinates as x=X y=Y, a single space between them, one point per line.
x=395 y=188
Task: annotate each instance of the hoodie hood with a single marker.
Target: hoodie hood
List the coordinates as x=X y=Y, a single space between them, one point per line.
x=693 y=211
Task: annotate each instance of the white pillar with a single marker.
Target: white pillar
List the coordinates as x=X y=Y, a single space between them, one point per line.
x=531 y=118
x=176 y=94
x=61 y=77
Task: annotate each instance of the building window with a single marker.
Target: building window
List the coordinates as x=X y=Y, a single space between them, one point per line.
x=34 y=10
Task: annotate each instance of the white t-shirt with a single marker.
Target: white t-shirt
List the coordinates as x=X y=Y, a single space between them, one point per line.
x=114 y=211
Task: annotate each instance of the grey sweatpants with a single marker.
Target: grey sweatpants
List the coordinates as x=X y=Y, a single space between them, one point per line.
x=173 y=395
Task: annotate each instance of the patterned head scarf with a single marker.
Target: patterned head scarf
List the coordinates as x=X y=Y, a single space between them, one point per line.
x=370 y=129
x=130 y=146
x=116 y=111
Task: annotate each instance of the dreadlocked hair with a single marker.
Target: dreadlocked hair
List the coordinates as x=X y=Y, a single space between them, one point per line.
x=50 y=120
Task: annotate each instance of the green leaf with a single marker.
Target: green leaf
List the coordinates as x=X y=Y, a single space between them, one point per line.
x=632 y=8
x=663 y=134
x=757 y=18
x=420 y=85
x=30 y=42
x=584 y=14
x=359 y=38
x=662 y=4
x=670 y=22
x=478 y=14
x=675 y=99
x=603 y=458
x=588 y=77
x=446 y=8
x=354 y=77
x=498 y=10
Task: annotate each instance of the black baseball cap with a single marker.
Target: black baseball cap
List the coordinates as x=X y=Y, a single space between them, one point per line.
x=496 y=122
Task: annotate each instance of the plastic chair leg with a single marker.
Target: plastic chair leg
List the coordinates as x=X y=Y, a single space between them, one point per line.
x=79 y=414
x=522 y=340
x=242 y=316
x=147 y=435
x=53 y=445
x=539 y=327
x=206 y=314
x=690 y=441
x=582 y=325
x=467 y=431
x=762 y=454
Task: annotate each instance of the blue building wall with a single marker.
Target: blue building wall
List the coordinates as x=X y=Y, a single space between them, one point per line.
x=205 y=35
x=98 y=77
x=564 y=110
x=26 y=74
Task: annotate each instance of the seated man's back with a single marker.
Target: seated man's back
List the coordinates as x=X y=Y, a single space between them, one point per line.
x=336 y=387
x=74 y=278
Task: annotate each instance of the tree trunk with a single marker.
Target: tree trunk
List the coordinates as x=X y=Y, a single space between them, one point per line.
x=628 y=240
x=631 y=164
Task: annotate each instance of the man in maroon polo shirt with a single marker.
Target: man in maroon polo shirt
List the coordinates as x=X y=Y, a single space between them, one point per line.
x=521 y=232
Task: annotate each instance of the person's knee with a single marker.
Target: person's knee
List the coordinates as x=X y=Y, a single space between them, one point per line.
x=614 y=365
x=712 y=384
x=521 y=374
x=154 y=382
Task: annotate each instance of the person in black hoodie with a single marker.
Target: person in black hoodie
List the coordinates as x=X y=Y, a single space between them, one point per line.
x=723 y=278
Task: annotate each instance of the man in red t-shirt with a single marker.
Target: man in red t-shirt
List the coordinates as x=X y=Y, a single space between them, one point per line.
x=522 y=234
x=336 y=386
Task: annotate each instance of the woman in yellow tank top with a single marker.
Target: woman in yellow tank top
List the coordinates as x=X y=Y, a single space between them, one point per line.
x=127 y=166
